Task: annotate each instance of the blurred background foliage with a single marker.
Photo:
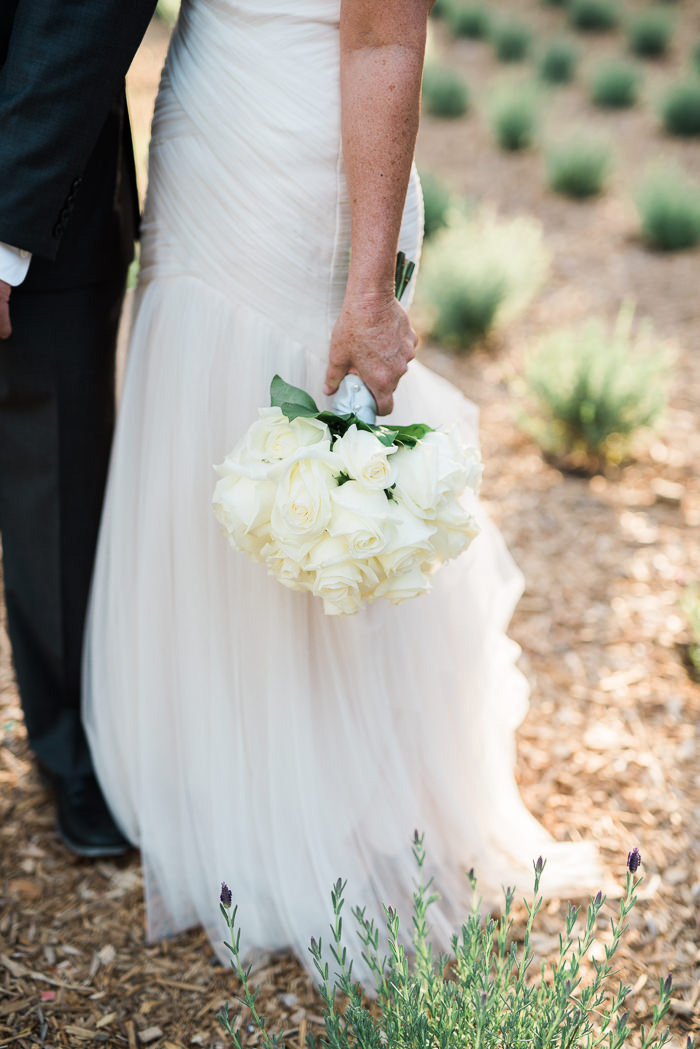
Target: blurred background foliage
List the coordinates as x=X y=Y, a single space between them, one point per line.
x=551 y=82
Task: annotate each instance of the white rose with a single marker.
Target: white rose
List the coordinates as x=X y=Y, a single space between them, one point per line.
x=302 y=504
x=417 y=478
x=456 y=528
x=408 y=542
x=360 y=515
x=365 y=458
x=460 y=464
x=285 y=567
x=329 y=550
x=398 y=588
x=343 y=586
x=242 y=501
x=437 y=466
x=272 y=437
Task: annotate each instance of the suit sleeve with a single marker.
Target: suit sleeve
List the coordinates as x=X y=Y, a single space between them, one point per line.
x=65 y=66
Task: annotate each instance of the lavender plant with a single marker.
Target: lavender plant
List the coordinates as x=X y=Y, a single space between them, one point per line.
x=590 y=390
x=483 y=996
x=558 y=61
x=514 y=114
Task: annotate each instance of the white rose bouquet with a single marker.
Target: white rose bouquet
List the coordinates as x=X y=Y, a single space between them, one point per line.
x=334 y=504
x=346 y=509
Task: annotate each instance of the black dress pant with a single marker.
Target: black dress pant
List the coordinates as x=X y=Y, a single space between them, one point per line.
x=56 y=422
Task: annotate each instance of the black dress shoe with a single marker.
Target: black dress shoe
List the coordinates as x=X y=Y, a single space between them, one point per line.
x=84 y=822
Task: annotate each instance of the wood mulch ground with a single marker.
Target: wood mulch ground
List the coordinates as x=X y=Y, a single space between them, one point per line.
x=609 y=749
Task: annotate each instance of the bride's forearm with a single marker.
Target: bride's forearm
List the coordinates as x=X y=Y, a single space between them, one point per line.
x=382 y=49
x=382 y=46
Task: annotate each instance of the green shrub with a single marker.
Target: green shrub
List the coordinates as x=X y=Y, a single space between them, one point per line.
x=669 y=206
x=696 y=56
x=650 y=33
x=593 y=15
x=478 y=274
x=132 y=276
x=615 y=84
x=578 y=168
x=554 y=3
x=511 y=41
x=593 y=388
x=437 y=201
x=558 y=62
x=168 y=10
x=680 y=109
x=445 y=93
x=514 y=115
x=690 y=605
x=441 y=8
x=471 y=20
x=486 y=992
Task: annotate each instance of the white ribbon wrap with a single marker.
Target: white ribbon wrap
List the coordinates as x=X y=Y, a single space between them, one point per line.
x=353 y=398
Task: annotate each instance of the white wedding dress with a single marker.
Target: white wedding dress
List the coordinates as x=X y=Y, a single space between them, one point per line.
x=240 y=734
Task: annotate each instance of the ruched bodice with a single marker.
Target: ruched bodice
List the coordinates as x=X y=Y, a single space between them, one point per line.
x=238 y=733
x=251 y=92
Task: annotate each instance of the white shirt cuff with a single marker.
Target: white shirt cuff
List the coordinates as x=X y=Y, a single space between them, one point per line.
x=14 y=264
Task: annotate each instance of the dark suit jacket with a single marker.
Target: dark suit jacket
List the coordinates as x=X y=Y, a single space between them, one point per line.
x=67 y=182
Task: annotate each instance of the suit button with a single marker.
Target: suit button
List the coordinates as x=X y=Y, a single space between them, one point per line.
x=57 y=231
x=77 y=182
x=65 y=214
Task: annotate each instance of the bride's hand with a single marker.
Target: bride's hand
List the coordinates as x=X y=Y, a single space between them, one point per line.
x=374 y=340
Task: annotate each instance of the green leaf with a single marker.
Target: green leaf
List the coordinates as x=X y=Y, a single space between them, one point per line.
x=409 y=436
x=338 y=423
x=283 y=394
x=416 y=431
x=294 y=410
x=385 y=434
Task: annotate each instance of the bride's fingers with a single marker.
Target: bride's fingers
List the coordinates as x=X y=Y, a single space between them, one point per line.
x=385 y=403
x=337 y=370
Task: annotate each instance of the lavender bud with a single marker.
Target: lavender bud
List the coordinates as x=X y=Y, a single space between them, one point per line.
x=690 y=1044
x=539 y=866
x=634 y=860
x=225 y=896
x=416 y=837
x=598 y=898
x=668 y=983
x=314 y=945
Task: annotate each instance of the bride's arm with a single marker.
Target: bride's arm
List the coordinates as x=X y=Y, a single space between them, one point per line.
x=382 y=46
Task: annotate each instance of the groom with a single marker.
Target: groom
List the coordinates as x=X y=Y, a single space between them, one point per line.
x=68 y=217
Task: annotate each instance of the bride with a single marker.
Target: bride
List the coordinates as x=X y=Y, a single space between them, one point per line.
x=238 y=733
